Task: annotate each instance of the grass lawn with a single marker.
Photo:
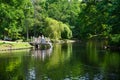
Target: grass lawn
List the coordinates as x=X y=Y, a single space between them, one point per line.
x=13 y=45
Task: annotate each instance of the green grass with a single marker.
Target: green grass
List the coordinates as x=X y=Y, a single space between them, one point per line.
x=13 y=45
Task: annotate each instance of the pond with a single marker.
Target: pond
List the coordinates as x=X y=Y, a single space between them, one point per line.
x=70 y=61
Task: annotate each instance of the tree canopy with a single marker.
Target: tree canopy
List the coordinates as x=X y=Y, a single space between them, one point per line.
x=60 y=18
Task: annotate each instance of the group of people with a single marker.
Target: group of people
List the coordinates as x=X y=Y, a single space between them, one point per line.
x=41 y=39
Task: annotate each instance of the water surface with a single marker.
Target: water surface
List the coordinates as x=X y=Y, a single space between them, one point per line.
x=71 y=61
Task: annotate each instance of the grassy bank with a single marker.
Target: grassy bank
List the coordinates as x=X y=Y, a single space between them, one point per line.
x=7 y=45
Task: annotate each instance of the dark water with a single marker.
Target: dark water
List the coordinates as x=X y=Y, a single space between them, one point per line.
x=72 y=61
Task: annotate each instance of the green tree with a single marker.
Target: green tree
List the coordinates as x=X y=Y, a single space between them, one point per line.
x=12 y=18
x=93 y=19
x=57 y=30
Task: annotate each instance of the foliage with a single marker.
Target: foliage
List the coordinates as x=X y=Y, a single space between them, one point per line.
x=59 y=19
x=115 y=40
x=57 y=30
x=92 y=20
x=44 y=47
x=12 y=16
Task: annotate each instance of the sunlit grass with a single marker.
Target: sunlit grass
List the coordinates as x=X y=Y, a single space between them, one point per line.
x=13 y=45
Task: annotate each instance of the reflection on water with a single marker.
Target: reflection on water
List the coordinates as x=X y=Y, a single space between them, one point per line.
x=85 y=77
x=31 y=75
x=42 y=54
x=72 y=61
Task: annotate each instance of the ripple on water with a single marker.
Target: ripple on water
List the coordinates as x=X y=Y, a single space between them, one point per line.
x=31 y=74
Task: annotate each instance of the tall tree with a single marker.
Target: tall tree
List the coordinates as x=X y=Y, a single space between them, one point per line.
x=12 y=17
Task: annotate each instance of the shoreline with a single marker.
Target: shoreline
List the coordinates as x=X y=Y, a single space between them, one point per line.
x=14 y=45
x=10 y=49
x=10 y=45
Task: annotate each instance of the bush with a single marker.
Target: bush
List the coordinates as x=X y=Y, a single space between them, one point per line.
x=114 y=40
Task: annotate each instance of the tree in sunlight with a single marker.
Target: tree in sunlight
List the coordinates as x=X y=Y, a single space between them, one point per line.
x=56 y=29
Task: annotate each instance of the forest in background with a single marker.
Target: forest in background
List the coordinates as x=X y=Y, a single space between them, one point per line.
x=60 y=19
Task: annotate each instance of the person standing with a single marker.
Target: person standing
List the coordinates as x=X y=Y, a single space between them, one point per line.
x=43 y=40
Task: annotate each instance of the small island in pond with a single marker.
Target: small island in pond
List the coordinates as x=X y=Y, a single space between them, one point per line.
x=41 y=43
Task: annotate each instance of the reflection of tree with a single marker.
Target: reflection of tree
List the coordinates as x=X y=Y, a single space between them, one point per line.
x=92 y=52
x=11 y=67
x=105 y=62
x=69 y=61
x=61 y=54
x=111 y=63
x=57 y=65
